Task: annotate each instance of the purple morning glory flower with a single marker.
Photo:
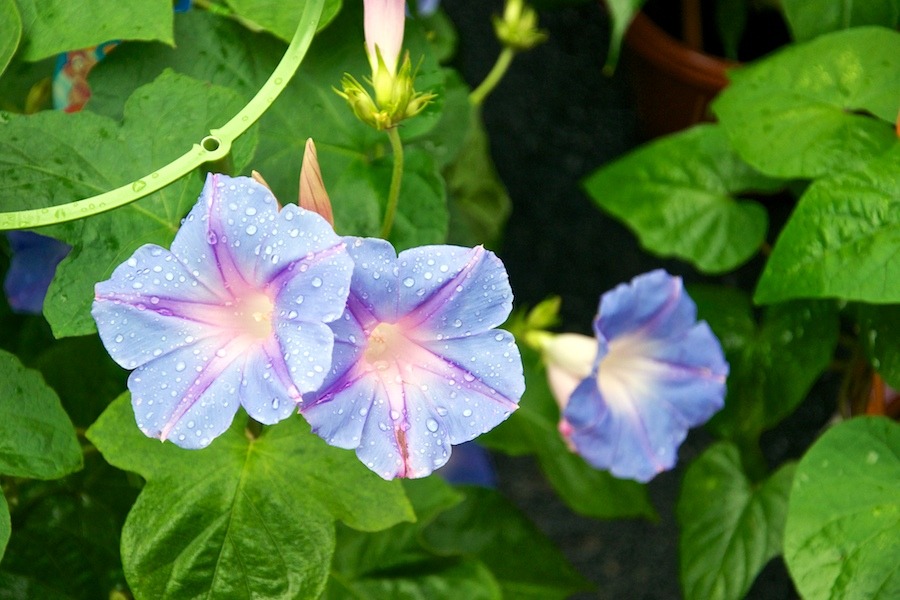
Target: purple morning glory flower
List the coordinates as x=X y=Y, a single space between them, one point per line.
x=235 y=314
x=629 y=396
x=418 y=364
x=31 y=269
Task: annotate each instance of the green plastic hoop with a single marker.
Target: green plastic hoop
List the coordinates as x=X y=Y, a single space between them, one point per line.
x=214 y=146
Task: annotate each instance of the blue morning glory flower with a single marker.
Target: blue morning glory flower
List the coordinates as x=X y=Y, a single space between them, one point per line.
x=418 y=362
x=31 y=269
x=470 y=464
x=629 y=396
x=234 y=314
x=426 y=8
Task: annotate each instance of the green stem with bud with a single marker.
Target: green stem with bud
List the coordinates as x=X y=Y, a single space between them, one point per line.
x=396 y=176
x=213 y=147
x=493 y=78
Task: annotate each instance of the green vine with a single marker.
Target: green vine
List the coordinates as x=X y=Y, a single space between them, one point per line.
x=213 y=147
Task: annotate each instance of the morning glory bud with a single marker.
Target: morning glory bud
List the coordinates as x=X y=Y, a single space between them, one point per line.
x=517 y=28
x=395 y=97
x=313 y=195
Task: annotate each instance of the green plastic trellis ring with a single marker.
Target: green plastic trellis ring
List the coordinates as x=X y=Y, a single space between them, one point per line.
x=214 y=146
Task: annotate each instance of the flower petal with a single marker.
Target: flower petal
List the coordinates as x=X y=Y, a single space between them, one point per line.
x=152 y=304
x=450 y=292
x=375 y=284
x=306 y=350
x=473 y=383
x=189 y=395
x=315 y=289
x=654 y=303
x=341 y=422
x=569 y=358
x=268 y=392
x=383 y=22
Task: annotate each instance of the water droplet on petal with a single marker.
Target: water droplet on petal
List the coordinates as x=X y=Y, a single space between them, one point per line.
x=409 y=282
x=432 y=425
x=317 y=282
x=251 y=229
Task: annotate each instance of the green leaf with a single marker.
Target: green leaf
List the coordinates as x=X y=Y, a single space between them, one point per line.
x=52 y=157
x=440 y=580
x=244 y=517
x=68 y=363
x=371 y=555
x=800 y=113
x=5 y=525
x=842 y=536
x=308 y=108
x=479 y=204
x=622 y=12
x=54 y=26
x=67 y=532
x=730 y=528
x=773 y=363
x=359 y=194
x=395 y=564
x=880 y=336
x=810 y=18
x=10 y=32
x=532 y=429
x=842 y=239
x=526 y=563
x=441 y=34
x=37 y=439
x=680 y=197
x=281 y=17
x=18 y=587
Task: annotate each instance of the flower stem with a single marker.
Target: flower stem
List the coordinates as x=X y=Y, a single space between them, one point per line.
x=213 y=147
x=493 y=78
x=396 y=176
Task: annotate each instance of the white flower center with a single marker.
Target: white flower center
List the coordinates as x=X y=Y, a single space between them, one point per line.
x=385 y=345
x=253 y=315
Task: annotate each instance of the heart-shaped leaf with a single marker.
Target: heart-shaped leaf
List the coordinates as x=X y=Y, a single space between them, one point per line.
x=730 y=527
x=244 y=518
x=816 y=108
x=842 y=535
x=681 y=197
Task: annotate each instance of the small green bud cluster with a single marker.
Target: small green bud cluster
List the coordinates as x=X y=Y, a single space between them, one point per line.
x=395 y=96
x=517 y=28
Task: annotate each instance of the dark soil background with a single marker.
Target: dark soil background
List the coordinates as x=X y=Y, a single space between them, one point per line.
x=553 y=120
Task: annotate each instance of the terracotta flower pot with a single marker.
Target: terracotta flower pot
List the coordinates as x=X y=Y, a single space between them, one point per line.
x=673 y=83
